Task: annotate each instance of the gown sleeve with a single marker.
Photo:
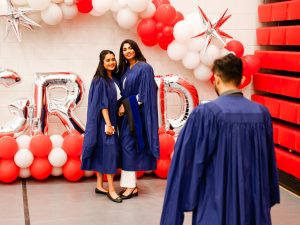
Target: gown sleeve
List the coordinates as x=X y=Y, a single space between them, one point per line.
x=147 y=97
x=273 y=175
x=97 y=101
x=193 y=149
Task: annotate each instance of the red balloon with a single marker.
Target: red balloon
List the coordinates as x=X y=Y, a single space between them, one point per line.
x=166 y=14
x=164 y=43
x=40 y=168
x=253 y=63
x=166 y=145
x=8 y=147
x=84 y=6
x=160 y=2
x=73 y=144
x=161 y=130
x=246 y=82
x=159 y=26
x=72 y=131
x=9 y=171
x=40 y=145
x=146 y=28
x=179 y=17
x=236 y=47
x=163 y=166
x=160 y=36
x=168 y=31
x=71 y=169
x=149 y=43
x=139 y=174
x=171 y=132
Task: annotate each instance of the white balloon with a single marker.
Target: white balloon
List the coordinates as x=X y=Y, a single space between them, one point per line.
x=39 y=4
x=191 y=60
x=57 y=157
x=203 y=73
x=138 y=5
x=149 y=12
x=23 y=158
x=52 y=15
x=210 y=55
x=176 y=51
x=196 y=44
x=57 y=140
x=23 y=141
x=89 y=173
x=19 y=2
x=56 y=171
x=122 y=3
x=101 y=6
x=24 y=173
x=115 y=7
x=57 y=1
x=126 y=18
x=182 y=31
x=3 y=6
x=69 y=11
x=195 y=22
x=69 y=2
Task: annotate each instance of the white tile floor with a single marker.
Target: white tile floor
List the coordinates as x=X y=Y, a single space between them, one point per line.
x=56 y=201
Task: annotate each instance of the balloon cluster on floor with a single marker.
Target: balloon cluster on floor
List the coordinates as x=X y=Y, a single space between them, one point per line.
x=193 y=39
x=41 y=156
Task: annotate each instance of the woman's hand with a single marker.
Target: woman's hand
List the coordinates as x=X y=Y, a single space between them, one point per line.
x=121 y=110
x=110 y=130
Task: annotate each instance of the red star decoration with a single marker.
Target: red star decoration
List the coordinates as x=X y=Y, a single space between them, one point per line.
x=212 y=30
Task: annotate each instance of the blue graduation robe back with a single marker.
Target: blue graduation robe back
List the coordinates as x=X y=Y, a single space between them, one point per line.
x=223 y=169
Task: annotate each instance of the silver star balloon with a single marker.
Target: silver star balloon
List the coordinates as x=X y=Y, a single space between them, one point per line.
x=16 y=17
x=212 y=30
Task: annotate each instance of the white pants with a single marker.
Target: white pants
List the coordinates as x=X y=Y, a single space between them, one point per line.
x=128 y=179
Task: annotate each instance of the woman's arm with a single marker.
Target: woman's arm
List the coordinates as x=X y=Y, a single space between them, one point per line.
x=110 y=130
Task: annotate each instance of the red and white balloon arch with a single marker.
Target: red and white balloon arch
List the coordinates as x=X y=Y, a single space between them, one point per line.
x=157 y=22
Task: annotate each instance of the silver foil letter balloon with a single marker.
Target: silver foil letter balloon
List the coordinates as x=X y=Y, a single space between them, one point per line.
x=8 y=77
x=188 y=99
x=46 y=104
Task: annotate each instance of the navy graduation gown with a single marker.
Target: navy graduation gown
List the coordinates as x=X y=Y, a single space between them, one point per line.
x=100 y=152
x=223 y=168
x=139 y=81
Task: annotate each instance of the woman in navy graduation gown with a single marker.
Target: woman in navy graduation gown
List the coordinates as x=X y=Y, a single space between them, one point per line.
x=139 y=129
x=100 y=151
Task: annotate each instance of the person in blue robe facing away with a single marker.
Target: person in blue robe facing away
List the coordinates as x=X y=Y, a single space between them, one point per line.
x=101 y=148
x=224 y=169
x=139 y=125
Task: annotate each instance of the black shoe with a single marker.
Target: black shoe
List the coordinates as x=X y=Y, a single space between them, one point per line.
x=97 y=191
x=121 y=192
x=117 y=200
x=131 y=195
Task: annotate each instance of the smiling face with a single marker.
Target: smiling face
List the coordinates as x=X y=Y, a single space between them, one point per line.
x=109 y=62
x=128 y=51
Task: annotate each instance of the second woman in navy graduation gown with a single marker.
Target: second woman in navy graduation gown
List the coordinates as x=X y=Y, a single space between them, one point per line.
x=101 y=146
x=138 y=84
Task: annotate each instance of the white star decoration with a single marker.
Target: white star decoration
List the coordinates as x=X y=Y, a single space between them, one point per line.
x=212 y=30
x=16 y=17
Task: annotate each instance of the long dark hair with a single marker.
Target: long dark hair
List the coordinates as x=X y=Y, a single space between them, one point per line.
x=123 y=63
x=101 y=71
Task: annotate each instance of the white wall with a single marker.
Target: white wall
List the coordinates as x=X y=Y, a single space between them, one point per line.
x=75 y=45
